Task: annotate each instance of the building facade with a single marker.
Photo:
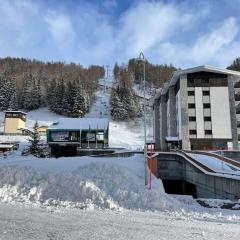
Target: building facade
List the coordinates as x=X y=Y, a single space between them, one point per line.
x=14 y=121
x=69 y=136
x=196 y=110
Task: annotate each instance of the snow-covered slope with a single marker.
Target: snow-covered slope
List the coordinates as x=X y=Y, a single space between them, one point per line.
x=126 y=134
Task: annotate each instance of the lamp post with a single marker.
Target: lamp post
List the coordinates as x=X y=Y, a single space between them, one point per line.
x=142 y=60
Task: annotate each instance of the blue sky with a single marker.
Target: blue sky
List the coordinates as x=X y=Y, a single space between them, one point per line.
x=185 y=32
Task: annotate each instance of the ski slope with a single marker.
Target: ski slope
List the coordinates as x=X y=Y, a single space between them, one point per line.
x=126 y=134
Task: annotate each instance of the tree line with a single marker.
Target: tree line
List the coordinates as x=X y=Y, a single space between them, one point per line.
x=65 y=88
x=124 y=102
x=155 y=75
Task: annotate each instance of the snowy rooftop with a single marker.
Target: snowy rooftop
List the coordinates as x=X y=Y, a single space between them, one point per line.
x=15 y=112
x=81 y=123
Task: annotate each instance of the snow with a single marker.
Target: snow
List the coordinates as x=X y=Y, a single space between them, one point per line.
x=27 y=222
x=100 y=198
x=215 y=164
x=81 y=123
x=84 y=182
x=138 y=89
x=129 y=135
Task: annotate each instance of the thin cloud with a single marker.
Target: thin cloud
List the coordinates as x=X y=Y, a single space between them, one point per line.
x=181 y=33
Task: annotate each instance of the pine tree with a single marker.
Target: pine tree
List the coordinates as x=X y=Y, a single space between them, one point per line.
x=3 y=94
x=13 y=104
x=80 y=106
x=34 y=140
x=7 y=93
x=51 y=94
x=116 y=71
x=60 y=91
x=124 y=103
x=68 y=98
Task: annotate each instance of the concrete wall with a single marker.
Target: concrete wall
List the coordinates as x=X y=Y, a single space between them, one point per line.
x=231 y=80
x=199 y=112
x=157 y=123
x=220 y=113
x=178 y=118
x=13 y=124
x=184 y=113
x=172 y=113
x=163 y=122
x=174 y=167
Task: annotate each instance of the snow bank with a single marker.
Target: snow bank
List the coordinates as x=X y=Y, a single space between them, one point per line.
x=95 y=185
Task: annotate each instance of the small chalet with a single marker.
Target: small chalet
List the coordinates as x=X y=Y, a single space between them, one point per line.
x=69 y=136
x=14 y=122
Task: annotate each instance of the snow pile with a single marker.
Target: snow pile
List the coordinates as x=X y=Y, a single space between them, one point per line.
x=98 y=185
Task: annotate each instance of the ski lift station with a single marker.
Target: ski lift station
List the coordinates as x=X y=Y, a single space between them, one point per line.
x=73 y=136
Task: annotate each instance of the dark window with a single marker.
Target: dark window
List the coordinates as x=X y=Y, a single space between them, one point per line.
x=191 y=105
x=207 y=119
x=192 y=119
x=206 y=80
x=208 y=132
x=206 y=93
x=206 y=105
x=192 y=132
x=191 y=93
x=190 y=82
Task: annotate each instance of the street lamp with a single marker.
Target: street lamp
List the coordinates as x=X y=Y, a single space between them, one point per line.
x=142 y=60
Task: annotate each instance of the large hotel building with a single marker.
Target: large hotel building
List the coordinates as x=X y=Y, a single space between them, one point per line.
x=196 y=110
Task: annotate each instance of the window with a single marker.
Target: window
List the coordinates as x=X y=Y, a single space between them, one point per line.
x=192 y=119
x=192 y=132
x=208 y=132
x=91 y=137
x=206 y=105
x=206 y=80
x=100 y=136
x=60 y=136
x=191 y=93
x=73 y=136
x=207 y=119
x=191 y=105
x=190 y=82
x=206 y=93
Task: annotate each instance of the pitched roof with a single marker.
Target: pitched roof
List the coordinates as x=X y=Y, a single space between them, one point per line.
x=80 y=123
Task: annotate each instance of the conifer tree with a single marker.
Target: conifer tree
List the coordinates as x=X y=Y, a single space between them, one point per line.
x=31 y=94
x=68 y=98
x=123 y=100
x=80 y=106
x=34 y=140
x=60 y=91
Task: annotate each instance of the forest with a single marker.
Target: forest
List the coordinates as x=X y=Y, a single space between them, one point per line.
x=66 y=89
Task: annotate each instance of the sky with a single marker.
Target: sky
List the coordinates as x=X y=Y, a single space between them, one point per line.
x=185 y=33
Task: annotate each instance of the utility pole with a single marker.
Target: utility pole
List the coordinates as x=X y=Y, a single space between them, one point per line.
x=106 y=76
x=142 y=60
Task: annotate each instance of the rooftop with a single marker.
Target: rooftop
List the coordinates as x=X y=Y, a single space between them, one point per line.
x=80 y=123
x=203 y=68
x=15 y=112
